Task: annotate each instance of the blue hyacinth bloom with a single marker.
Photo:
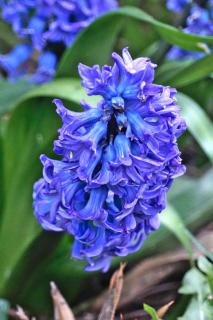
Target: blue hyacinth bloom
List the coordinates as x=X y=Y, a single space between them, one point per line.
x=52 y=20
x=43 y=22
x=46 y=68
x=198 y=22
x=177 y=5
x=14 y=63
x=118 y=160
x=19 y=63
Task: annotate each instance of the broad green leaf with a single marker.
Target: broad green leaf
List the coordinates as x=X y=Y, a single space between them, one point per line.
x=48 y=258
x=94 y=44
x=10 y=93
x=1 y=177
x=201 y=92
x=192 y=199
x=151 y=311
x=197 y=70
x=30 y=132
x=198 y=123
x=169 y=69
x=69 y=89
x=174 y=223
x=168 y=32
x=199 y=246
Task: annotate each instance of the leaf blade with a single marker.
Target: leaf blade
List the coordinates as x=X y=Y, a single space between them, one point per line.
x=198 y=123
x=106 y=29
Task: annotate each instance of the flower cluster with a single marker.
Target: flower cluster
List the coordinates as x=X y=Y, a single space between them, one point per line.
x=177 y=5
x=198 y=22
x=45 y=22
x=18 y=62
x=52 y=20
x=118 y=161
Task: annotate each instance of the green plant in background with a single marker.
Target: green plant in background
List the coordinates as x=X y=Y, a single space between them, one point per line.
x=197 y=283
x=29 y=126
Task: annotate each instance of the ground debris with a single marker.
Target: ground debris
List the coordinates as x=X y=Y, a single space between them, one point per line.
x=148 y=279
x=62 y=310
x=113 y=297
x=158 y=276
x=163 y=310
x=19 y=314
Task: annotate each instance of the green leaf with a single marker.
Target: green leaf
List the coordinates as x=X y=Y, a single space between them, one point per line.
x=193 y=311
x=208 y=308
x=198 y=123
x=169 y=33
x=193 y=282
x=174 y=223
x=205 y=266
x=151 y=311
x=169 y=69
x=172 y=220
x=93 y=46
x=197 y=70
x=95 y=43
x=69 y=89
x=30 y=132
x=4 y=308
x=10 y=93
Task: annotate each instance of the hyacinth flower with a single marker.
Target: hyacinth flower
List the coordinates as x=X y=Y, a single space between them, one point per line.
x=177 y=5
x=43 y=22
x=19 y=64
x=52 y=20
x=198 y=22
x=45 y=68
x=118 y=160
x=180 y=5
x=14 y=63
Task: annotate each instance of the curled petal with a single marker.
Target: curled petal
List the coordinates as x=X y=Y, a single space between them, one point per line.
x=122 y=149
x=94 y=207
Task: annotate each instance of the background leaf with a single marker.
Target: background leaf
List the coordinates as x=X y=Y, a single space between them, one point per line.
x=198 y=123
x=10 y=93
x=174 y=223
x=151 y=311
x=197 y=70
x=30 y=132
x=94 y=45
x=99 y=37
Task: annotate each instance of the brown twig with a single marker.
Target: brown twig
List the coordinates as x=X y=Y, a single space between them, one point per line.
x=112 y=299
x=18 y=314
x=62 y=310
x=163 y=310
x=150 y=273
